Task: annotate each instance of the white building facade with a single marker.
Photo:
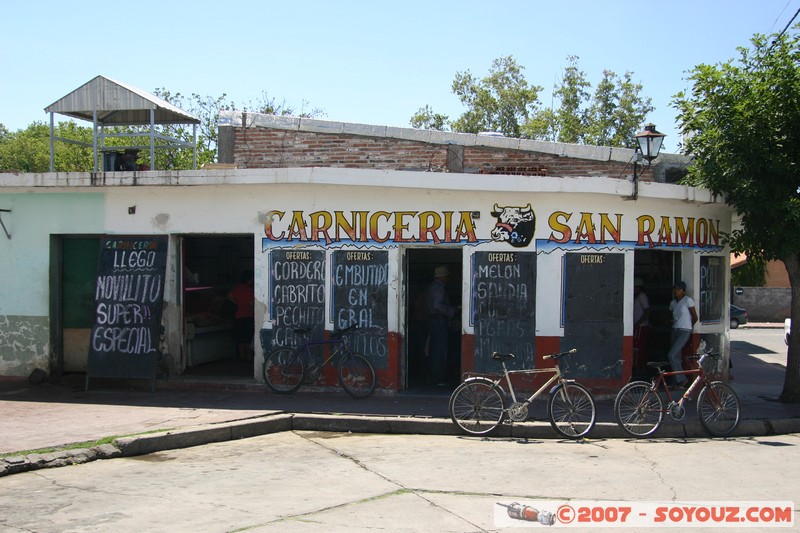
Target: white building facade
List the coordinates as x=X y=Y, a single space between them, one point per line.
x=540 y=263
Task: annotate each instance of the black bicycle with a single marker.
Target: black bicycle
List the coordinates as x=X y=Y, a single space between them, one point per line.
x=287 y=368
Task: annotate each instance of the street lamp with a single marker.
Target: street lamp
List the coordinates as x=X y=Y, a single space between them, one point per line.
x=648 y=144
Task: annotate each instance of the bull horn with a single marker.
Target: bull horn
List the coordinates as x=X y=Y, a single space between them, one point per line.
x=496 y=208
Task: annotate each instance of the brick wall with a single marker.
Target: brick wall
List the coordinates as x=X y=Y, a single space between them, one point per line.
x=260 y=147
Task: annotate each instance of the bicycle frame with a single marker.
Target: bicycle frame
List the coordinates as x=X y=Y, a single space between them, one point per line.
x=661 y=381
x=639 y=407
x=480 y=404
x=337 y=346
x=556 y=377
x=287 y=368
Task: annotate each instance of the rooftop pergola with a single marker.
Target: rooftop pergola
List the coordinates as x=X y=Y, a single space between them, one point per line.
x=106 y=102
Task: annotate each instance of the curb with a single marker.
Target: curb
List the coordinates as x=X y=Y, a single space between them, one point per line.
x=274 y=423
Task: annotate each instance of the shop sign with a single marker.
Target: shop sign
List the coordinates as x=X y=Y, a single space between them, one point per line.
x=513 y=225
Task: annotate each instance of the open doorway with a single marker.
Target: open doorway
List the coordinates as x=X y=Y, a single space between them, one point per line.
x=421 y=372
x=212 y=266
x=657 y=270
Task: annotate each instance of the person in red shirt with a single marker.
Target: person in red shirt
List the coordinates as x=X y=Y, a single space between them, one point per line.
x=243 y=321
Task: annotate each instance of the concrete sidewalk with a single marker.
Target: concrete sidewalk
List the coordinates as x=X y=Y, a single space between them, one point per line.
x=53 y=415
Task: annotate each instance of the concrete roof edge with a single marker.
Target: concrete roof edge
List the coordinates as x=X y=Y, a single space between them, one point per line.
x=357 y=177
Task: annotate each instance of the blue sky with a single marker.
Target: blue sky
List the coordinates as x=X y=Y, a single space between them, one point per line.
x=363 y=61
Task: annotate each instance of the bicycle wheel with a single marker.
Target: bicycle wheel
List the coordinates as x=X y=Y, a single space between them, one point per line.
x=477 y=406
x=356 y=375
x=639 y=409
x=718 y=409
x=571 y=410
x=284 y=370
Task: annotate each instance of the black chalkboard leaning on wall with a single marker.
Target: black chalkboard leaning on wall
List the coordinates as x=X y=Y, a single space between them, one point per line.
x=129 y=294
x=297 y=296
x=504 y=308
x=360 y=287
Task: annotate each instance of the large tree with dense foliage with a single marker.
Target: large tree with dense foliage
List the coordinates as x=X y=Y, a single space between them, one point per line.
x=741 y=123
x=28 y=150
x=501 y=102
x=505 y=102
x=617 y=111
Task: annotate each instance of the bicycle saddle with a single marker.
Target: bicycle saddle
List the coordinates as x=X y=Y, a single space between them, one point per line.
x=302 y=331
x=497 y=356
x=658 y=364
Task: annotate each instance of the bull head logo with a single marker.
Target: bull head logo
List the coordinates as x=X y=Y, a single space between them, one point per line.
x=515 y=225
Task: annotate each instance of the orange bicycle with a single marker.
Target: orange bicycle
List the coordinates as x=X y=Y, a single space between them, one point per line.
x=639 y=405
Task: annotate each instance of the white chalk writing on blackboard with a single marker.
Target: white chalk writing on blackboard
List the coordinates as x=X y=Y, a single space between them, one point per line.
x=129 y=293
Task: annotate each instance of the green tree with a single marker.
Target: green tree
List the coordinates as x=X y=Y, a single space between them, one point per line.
x=207 y=110
x=751 y=274
x=501 y=102
x=269 y=105
x=28 y=150
x=568 y=121
x=600 y=131
x=741 y=122
x=610 y=117
x=426 y=119
x=630 y=112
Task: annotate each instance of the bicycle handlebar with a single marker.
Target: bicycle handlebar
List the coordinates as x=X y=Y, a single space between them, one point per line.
x=334 y=335
x=715 y=355
x=339 y=333
x=558 y=355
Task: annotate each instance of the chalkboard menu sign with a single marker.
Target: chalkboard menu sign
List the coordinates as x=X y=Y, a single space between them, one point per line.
x=594 y=288
x=128 y=297
x=360 y=288
x=503 y=307
x=297 y=296
x=712 y=281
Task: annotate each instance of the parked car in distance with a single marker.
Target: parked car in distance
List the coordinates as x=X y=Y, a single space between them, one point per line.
x=738 y=316
x=787 y=326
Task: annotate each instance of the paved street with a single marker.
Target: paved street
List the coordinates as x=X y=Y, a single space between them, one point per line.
x=345 y=482
x=298 y=480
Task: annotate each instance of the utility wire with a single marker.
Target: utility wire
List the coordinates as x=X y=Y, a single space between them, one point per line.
x=789 y=23
x=782 y=31
x=779 y=16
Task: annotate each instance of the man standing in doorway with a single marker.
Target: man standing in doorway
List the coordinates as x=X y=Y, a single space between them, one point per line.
x=641 y=325
x=439 y=313
x=683 y=318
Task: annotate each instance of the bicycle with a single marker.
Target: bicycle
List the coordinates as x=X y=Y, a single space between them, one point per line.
x=287 y=368
x=612 y=371
x=639 y=407
x=479 y=404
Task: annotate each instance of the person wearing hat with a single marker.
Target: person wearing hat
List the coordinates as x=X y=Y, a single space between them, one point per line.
x=439 y=314
x=684 y=317
x=641 y=324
